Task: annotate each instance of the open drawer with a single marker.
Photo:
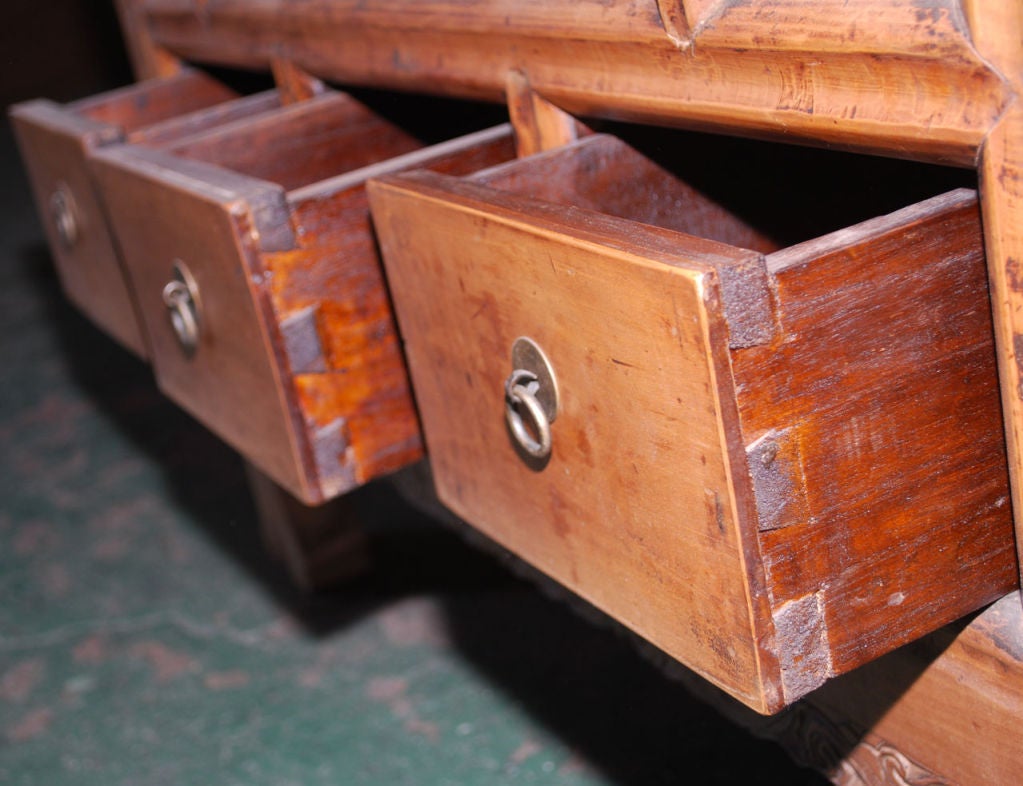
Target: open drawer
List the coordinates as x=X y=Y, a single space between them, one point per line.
x=250 y=253
x=55 y=141
x=774 y=464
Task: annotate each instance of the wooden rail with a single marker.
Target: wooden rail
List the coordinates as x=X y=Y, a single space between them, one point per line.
x=883 y=77
x=936 y=81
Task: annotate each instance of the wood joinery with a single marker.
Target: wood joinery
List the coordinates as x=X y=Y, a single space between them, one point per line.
x=775 y=464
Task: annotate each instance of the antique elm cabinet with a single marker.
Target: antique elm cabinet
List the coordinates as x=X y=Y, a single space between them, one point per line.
x=787 y=460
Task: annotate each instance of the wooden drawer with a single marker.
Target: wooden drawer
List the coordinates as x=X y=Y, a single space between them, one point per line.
x=278 y=333
x=55 y=141
x=774 y=464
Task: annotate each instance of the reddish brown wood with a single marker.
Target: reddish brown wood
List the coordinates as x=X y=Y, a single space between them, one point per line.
x=214 y=222
x=891 y=438
x=354 y=327
x=946 y=710
x=136 y=106
x=301 y=143
x=870 y=483
x=539 y=125
x=294 y=84
x=593 y=305
x=606 y=175
x=881 y=75
x=148 y=59
x=55 y=142
x=997 y=29
x=193 y=123
x=299 y=366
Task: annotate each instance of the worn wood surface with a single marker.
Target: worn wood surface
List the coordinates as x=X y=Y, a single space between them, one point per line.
x=338 y=327
x=920 y=80
x=998 y=32
x=538 y=124
x=880 y=75
x=946 y=710
x=927 y=81
x=54 y=145
x=301 y=143
x=215 y=222
x=148 y=59
x=639 y=350
x=863 y=374
x=142 y=104
x=299 y=365
x=879 y=398
x=55 y=142
x=294 y=84
x=194 y=122
x=605 y=174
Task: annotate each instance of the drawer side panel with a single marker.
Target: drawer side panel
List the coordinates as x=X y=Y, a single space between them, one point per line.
x=883 y=383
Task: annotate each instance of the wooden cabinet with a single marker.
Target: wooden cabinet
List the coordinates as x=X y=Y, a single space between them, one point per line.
x=775 y=464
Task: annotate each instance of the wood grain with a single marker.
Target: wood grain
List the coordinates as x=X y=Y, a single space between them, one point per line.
x=861 y=364
x=148 y=60
x=538 y=124
x=633 y=339
x=294 y=84
x=132 y=107
x=55 y=142
x=950 y=706
x=166 y=132
x=881 y=75
x=215 y=222
x=299 y=367
x=301 y=143
x=884 y=380
x=998 y=30
x=356 y=375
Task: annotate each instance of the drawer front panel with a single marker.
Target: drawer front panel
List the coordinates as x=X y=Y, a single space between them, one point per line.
x=55 y=142
x=54 y=145
x=212 y=224
x=636 y=507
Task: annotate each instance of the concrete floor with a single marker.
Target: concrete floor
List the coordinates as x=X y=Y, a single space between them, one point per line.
x=146 y=639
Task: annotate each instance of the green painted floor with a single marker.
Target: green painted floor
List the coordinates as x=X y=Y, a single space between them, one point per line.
x=145 y=639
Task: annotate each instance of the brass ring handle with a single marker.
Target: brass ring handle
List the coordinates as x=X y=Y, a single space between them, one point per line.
x=519 y=398
x=180 y=295
x=64 y=216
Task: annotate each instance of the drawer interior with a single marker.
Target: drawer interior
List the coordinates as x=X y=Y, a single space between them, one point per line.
x=740 y=192
x=300 y=144
x=134 y=107
x=605 y=174
x=204 y=119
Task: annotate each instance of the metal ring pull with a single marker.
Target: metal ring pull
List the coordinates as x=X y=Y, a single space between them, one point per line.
x=520 y=397
x=64 y=215
x=531 y=400
x=181 y=296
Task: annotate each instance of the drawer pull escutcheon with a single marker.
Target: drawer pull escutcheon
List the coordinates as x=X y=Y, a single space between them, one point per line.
x=64 y=216
x=181 y=295
x=531 y=389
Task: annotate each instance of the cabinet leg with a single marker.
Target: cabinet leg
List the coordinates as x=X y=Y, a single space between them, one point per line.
x=319 y=546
